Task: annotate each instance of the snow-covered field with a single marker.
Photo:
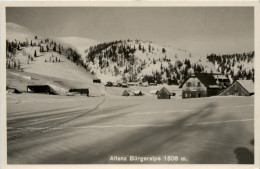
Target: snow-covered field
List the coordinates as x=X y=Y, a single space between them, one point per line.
x=45 y=129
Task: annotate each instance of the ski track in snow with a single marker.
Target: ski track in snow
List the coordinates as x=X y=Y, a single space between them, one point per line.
x=55 y=125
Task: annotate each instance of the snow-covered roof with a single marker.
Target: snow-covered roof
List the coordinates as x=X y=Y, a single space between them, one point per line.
x=247 y=84
x=206 y=79
x=43 y=44
x=125 y=91
x=141 y=78
x=165 y=89
x=214 y=86
x=137 y=92
x=133 y=83
x=153 y=91
x=220 y=77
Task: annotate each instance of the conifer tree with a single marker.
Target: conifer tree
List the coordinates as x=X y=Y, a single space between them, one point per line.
x=59 y=49
x=143 y=50
x=163 y=50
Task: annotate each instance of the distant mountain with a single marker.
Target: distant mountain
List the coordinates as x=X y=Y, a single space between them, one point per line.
x=78 y=43
x=21 y=33
x=15 y=32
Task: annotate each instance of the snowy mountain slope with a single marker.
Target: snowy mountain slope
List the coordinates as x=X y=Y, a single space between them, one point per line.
x=78 y=43
x=64 y=69
x=125 y=60
x=117 y=60
x=30 y=59
x=121 y=60
x=20 y=33
x=234 y=66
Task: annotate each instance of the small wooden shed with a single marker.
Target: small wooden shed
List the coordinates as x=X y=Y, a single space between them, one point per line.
x=138 y=93
x=82 y=91
x=164 y=93
x=125 y=93
x=96 y=81
x=41 y=89
x=124 y=85
x=12 y=90
x=109 y=84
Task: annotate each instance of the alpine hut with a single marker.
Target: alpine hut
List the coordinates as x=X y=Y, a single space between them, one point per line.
x=239 y=88
x=202 y=85
x=41 y=89
x=96 y=81
x=124 y=85
x=164 y=94
x=138 y=93
x=82 y=91
x=12 y=90
x=125 y=93
x=109 y=84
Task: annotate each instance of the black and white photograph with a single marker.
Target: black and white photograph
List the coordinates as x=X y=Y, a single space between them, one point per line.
x=129 y=85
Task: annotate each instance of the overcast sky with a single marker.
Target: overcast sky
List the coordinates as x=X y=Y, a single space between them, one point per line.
x=200 y=30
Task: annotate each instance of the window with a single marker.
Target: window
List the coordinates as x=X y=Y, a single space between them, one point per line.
x=198 y=83
x=188 y=84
